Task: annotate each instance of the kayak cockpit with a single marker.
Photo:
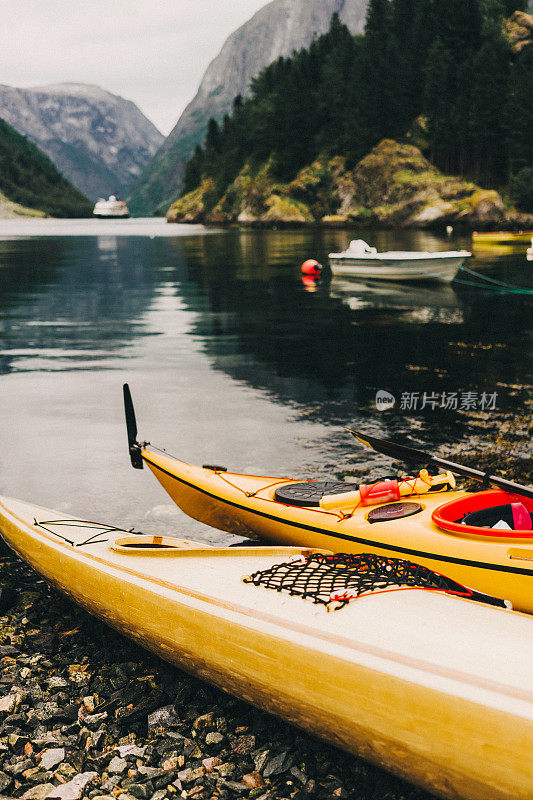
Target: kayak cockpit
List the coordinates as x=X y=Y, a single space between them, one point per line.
x=494 y=514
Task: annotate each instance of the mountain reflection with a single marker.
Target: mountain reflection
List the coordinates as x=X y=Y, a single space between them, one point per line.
x=71 y=302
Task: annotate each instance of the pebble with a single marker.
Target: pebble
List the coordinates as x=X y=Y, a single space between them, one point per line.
x=117 y=766
x=214 y=737
x=74 y=788
x=50 y=758
x=38 y=792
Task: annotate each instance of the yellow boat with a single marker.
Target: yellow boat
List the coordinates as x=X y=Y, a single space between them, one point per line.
x=501 y=237
x=431 y=687
x=495 y=562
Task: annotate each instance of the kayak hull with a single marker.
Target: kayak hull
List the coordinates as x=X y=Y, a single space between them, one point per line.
x=434 y=702
x=245 y=505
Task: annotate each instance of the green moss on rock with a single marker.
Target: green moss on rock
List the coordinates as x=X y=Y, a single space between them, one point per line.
x=193 y=206
x=393 y=186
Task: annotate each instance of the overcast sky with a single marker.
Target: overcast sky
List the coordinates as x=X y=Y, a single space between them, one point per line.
x=153 y=52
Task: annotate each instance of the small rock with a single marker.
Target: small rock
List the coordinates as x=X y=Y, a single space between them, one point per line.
x=205 y=722
x=93 y=720
x=253 y=780
x=140 y=790
x=52 y=757
x=278 y=764
x=117 y=766
x=126 y=750
x=8 y=703
x=164 y=717
x=66 y=771
x=5 y=780
x=261 y=759
x=171 y=763
x=17 y=743
x=74 y=788
x=340 y=792
x=226 y=769
x=237 y=787
x=110 y=784
x=211 y=763
x=38 y=792
x=214 y=737
x=189 y=775
x=56 y=682
x=242 y=745
x=159 y=795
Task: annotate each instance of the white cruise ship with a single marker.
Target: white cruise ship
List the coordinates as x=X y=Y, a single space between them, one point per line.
x=111 y=209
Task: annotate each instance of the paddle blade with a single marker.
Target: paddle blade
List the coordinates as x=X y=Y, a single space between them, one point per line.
x=131 y=427
x=392 y=449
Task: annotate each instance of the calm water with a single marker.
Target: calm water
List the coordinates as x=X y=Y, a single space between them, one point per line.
x=230 y=357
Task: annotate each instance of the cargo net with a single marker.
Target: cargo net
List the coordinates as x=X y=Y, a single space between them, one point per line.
x=334 y=580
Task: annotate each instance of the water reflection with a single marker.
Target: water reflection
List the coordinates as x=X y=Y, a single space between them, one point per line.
x=230 y=358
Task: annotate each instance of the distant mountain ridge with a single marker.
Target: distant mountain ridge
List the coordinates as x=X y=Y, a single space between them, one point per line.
x=275 y=30
x=30 y=184
x=99 y=141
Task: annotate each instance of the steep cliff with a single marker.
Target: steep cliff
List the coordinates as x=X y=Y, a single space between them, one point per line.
x=30 y=185
x=97 y=140
x=276 y=30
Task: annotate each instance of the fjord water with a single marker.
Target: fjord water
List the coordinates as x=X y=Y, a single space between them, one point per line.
x=231 y=358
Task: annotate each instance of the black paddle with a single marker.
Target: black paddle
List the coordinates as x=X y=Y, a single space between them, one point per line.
x=411 y=455
x=131 y=427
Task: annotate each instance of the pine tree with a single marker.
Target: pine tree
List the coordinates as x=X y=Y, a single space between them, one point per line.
x=377 y=87
x=519 y=112
x=488 y=161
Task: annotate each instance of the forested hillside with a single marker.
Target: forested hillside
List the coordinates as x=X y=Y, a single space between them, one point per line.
x=448 y=64
x=29 y=178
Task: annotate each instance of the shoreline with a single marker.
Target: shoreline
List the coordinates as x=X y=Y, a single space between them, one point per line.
x=510 y=226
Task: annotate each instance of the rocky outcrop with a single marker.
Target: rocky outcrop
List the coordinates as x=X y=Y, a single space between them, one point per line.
x=519 y=28
x=97 y=140
x=393 y=186
x=276 y=30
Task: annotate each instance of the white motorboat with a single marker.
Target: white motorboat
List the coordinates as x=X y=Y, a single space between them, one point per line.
x=111 y=209
x=362 y=261
x=529 y=251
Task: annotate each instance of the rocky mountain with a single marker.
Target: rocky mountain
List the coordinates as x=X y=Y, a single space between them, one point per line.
x=276 y=30
x=30 y=185
x=99 y=141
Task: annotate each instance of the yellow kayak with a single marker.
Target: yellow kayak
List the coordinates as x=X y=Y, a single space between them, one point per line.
x=431 y=687
x=492 y=561
x=502 y=237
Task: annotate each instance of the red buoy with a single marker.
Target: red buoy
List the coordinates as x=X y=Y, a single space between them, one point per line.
x=311 y=267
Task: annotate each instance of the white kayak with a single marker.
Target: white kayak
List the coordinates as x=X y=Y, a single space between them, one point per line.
x=434 y=688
